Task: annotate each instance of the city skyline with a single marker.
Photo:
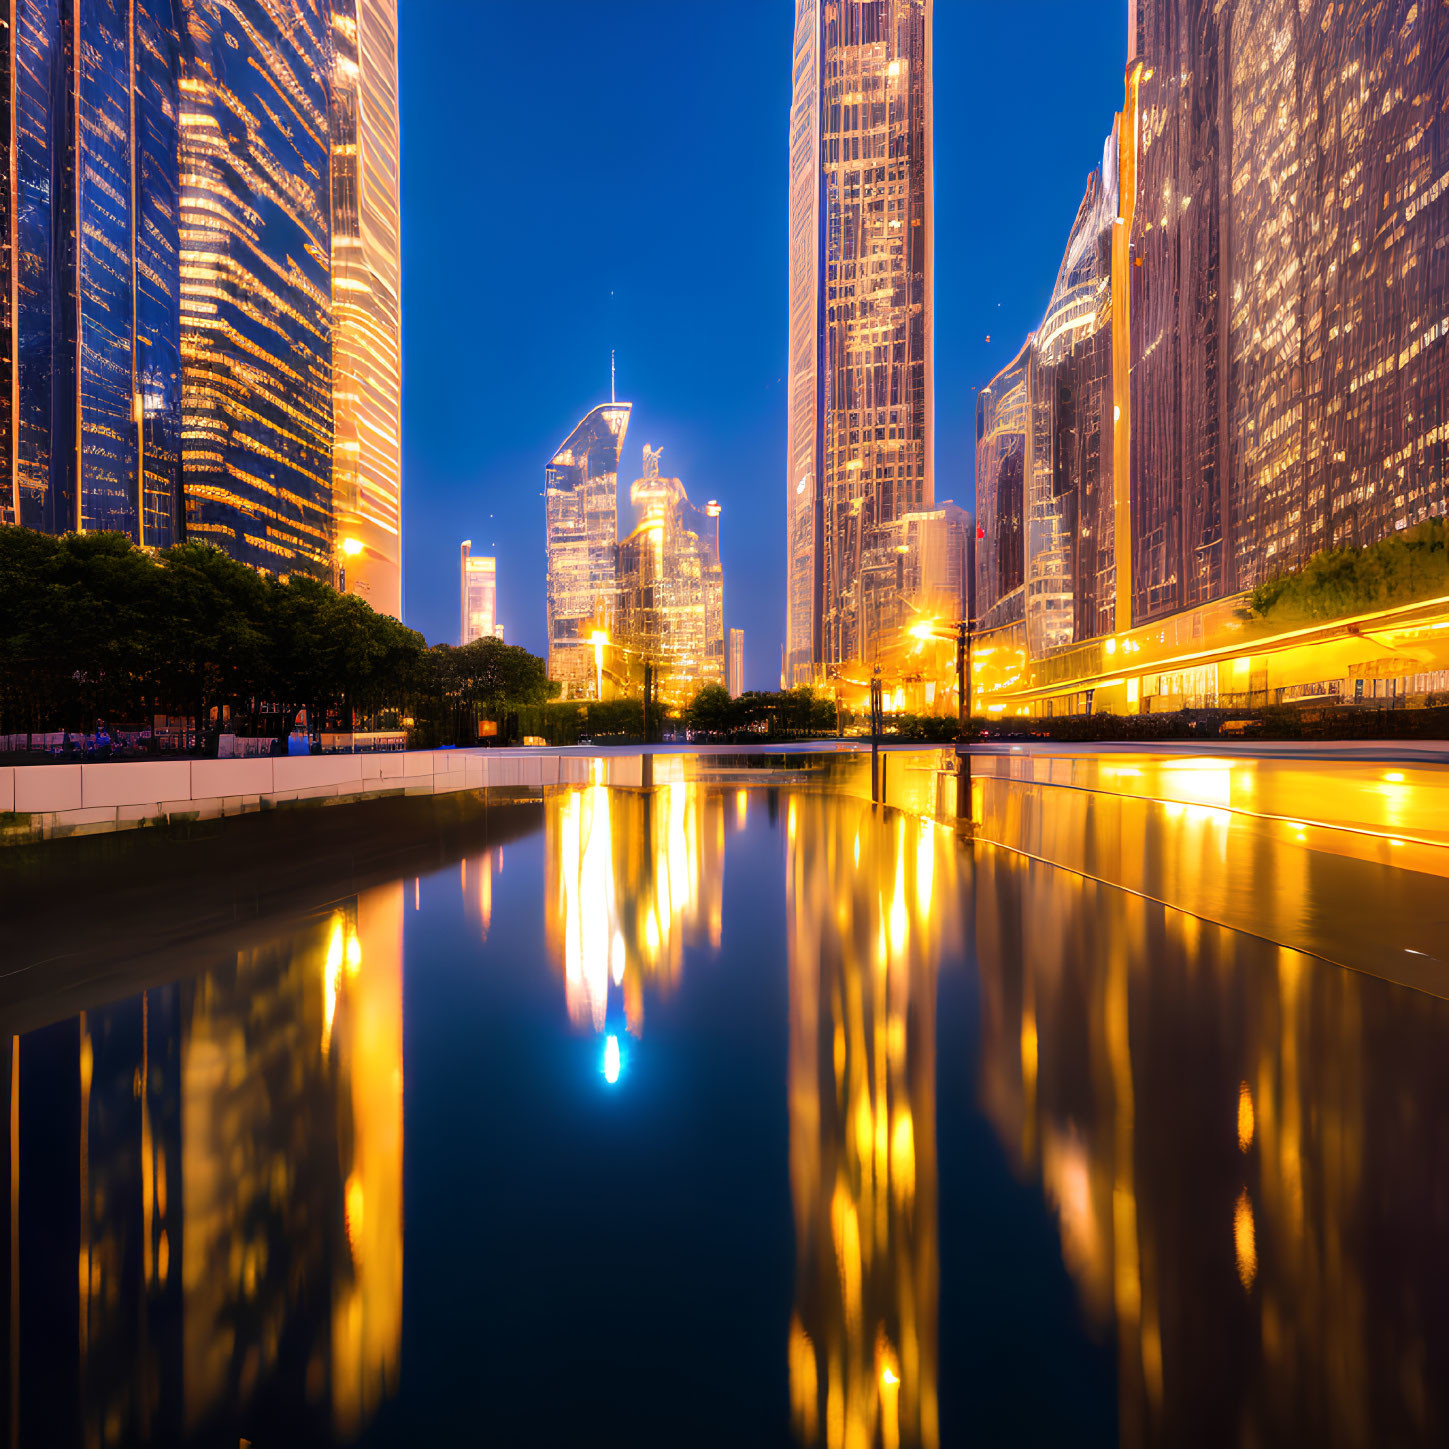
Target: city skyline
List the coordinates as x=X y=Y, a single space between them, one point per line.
x=715 y=396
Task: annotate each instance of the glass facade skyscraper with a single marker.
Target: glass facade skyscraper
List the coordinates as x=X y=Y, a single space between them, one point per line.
x=367 y=302
x=670 y=607
x=93 y=402
x=860 y=386
x=256 y=296
x=479 y=596
x=581 y=489
x=1243 y=362
x=1001 y=424
x=200 y=215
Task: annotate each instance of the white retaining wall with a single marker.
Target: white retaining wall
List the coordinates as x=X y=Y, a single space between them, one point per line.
x=82 y=799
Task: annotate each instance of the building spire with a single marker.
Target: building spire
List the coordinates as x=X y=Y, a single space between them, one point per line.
x=612 y=397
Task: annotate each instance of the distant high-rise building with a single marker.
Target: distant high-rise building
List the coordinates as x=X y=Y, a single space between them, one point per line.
x=1001 y=426
x=479 y=584
x=1067 y=478
x=90 y=388
x=860 y=446
x=670 y=609
x=367 y=303
x=581 y=486
x=737 y=663
x=256 y=285
x=933 y=549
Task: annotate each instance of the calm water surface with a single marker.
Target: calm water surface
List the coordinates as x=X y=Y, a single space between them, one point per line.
x=710 y=1116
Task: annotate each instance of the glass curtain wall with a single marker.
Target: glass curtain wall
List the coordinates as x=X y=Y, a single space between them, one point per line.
x=256 y=298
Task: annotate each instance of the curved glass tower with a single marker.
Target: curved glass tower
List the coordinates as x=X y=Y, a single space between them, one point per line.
x=581 y=486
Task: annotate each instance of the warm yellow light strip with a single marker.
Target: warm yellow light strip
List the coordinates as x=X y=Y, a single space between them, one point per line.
x=1324 y=633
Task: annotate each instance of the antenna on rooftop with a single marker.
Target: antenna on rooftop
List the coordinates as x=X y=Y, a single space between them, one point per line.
x=612 y=397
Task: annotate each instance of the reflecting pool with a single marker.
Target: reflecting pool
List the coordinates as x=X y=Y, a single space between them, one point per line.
x=717 y=1113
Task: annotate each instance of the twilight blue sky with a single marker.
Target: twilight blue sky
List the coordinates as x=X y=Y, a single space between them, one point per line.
x=587 y=174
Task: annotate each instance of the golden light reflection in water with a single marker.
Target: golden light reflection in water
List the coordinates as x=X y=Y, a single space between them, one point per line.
x=633 y=876
x=873 y=899
x=1199 y=1110
x=240 y=1143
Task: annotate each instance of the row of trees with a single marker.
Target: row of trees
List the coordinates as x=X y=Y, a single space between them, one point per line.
x=784 y=714
x=92 y=627
x=1339 y=582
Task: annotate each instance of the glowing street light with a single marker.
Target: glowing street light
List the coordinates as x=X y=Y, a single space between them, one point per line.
x=960 y=631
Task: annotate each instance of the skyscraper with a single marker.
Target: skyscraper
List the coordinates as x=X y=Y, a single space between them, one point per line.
x=91 y=402
x=1242 y=364
x=367 y=302
x=581 y=485
x=860 y=387
x=1001 y=423
x=256 y=290
x=479 y=579
x=200 y=213
x=737 y=663
x=670 y=609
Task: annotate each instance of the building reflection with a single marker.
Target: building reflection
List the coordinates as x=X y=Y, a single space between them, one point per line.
x=633 y=876
x=872 y=902
x=1267 y=1275
x=231 y=1189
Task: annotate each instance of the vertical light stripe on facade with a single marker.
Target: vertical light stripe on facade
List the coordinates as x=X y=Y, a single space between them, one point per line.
x=367 y=302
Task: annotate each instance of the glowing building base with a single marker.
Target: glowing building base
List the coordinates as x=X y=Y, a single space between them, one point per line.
x=1214 y=658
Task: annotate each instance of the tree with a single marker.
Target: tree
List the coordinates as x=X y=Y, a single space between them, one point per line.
x=711 y=712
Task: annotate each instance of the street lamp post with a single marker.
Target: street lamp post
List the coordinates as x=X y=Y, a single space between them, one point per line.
x=963 y=678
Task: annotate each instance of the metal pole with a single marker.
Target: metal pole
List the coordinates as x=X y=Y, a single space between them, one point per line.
x=875 y=727
x=962 y=674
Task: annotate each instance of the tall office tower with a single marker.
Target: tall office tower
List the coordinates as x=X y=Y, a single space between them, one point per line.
x=1287 y=393
x=670 y=609
x=479 y=579
x=91 y=387
x=256 y=289
x=860 y=441
x=1070 y=574
x=1176 y=298
x=1001 y=426
x=1337 y=372
x=737 y=663
x=367 y=303
x=581 y=489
